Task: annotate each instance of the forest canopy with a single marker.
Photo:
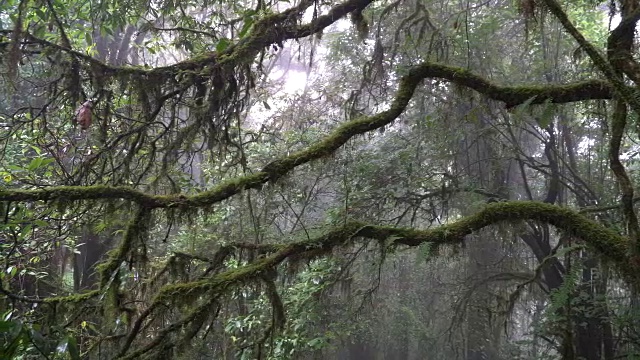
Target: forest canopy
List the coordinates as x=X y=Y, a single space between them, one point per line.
x=304 y=179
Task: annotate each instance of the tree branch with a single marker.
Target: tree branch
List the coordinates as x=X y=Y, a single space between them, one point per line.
x=271 y=29
x=611 y=245
x=276 y=169
x=516 y=95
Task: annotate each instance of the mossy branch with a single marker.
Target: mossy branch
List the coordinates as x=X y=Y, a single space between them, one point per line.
x=134 y=236
x=516 y=95
x=610 y=244
x=510 y=95
x=607 y=242
x=271 y=29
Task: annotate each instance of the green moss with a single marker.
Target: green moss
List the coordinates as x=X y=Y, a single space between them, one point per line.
x=197 y=296
x=133 y=236
x=607 y=242
x=75 y=298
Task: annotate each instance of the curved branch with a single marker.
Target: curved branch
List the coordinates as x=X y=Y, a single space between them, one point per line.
x=607 y=242
x=610 y=244
x=516 y=95
x=620 y=47
x=626 y=185
x=276 y=169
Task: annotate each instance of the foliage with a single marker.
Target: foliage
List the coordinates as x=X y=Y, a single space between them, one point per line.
x=21 y=340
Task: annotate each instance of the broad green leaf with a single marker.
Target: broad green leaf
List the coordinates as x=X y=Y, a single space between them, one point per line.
x=47 y=161
x=248 y=24
x=6 y=326
x=15 y=168
x=41 y=14
x=223 y=44
x=34 y=164
x=74 y=352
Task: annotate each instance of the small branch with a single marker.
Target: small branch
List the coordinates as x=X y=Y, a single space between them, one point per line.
x=595 y=209
x=630 y=95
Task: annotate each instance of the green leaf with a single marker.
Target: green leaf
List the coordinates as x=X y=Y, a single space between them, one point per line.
x=248 y=24
x=106 y=30
x=15 y=168
x=223 y=44
x=12 y=270
x=46 y=162
x=316 y=343
x=41 y=14
x=34 y=164
x=7 y=326
x=26 y=230
x=73 y=348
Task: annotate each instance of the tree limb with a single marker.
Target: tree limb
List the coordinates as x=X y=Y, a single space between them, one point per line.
x=512 y=96
x=271 y=29
x=607 y=242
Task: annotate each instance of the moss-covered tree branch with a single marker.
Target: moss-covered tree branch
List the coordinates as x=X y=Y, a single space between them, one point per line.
x=610 y=244
x=511 y=95
x=271 y=29
x=516 y=95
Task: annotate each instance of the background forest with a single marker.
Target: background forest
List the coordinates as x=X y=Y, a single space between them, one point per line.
x=319 y=179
